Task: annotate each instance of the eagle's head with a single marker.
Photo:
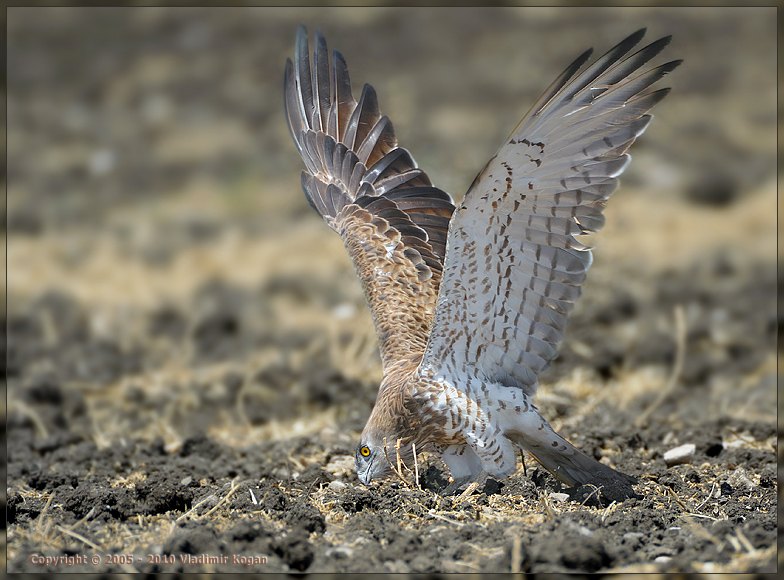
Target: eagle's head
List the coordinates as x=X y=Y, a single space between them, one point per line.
x=377 y=457
x=386 y=438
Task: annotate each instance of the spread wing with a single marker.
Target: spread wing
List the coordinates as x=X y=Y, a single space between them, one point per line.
x=514 y=267
x=392 y=220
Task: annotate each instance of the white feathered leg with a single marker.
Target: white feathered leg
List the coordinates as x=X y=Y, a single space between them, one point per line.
x=464 y=465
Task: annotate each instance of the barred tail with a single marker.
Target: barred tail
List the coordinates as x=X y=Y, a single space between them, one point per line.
x=572 y=466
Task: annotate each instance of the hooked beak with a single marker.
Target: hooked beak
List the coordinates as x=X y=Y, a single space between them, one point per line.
x=364 y=477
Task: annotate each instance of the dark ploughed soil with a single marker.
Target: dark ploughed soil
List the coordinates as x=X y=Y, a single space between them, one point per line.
x=189 y=358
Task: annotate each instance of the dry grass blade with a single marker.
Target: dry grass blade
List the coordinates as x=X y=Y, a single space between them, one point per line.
x=546 y=505
x=193 y=509
x=43 y=512
x=128 y=568
x=745 y=541
x=443 y=518
x=392 y=465
x=416 y=465
x=517 y=555
x=397 y=454
x=674 y=496
x=469 y=490
x=89 y=514
x=734 y=543
x=596 y=490
x=677 y=369
x=610 y=508
x=698 y=530
x=30 y=413
x=234 y=488
x=703 y=516
x=79 y=537
x=710 y=495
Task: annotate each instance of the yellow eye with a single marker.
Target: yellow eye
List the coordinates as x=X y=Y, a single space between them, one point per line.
x=364 y=451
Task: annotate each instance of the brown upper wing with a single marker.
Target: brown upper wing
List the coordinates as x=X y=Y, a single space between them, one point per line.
x=392 y=220
x=514 y=267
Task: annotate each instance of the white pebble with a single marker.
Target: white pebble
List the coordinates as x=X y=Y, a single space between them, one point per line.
x=681 y=454
x=344 y=311
x=340 y=552
x=336 y=486
x=101 y=162
x=741 y=479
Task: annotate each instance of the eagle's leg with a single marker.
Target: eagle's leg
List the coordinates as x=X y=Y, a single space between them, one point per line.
x=472 y=419
x=464 y=465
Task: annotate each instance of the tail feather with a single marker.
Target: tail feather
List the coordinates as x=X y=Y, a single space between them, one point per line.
x=573 y=467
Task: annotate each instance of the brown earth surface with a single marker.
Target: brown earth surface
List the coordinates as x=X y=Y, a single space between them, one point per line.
x=190 y=360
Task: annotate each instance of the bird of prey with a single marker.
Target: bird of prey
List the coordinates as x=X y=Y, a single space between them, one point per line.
x=470 y=303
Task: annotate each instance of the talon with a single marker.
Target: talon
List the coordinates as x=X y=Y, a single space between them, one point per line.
x=454 y=486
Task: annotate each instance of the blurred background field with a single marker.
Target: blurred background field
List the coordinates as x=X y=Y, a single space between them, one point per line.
x=151 y=174
x=166 y=277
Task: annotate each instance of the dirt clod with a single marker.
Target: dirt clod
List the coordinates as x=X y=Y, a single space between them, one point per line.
x=307 y=516
x=295 y=549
